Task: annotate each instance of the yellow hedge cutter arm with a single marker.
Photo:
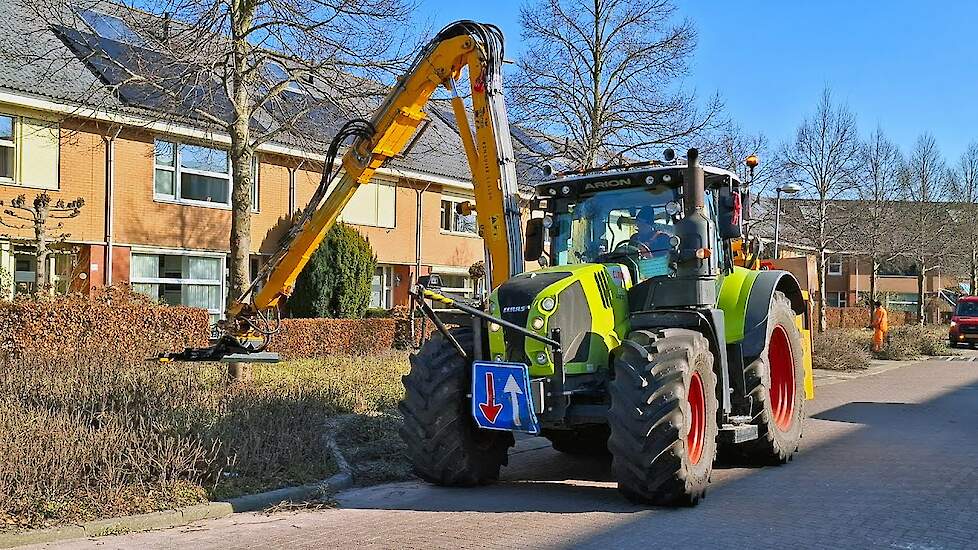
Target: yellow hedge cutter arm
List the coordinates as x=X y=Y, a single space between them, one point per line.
x=461 y=45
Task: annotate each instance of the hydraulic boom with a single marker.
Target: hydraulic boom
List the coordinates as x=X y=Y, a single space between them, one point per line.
x=459 y=46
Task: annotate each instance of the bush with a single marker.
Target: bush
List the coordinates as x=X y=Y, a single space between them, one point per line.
x=841 y=350
x=336 y=281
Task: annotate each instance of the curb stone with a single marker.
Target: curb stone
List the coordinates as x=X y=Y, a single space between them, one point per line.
x=184 y=516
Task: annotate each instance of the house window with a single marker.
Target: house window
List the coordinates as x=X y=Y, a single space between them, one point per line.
x=373 y=204
x=109 y=27
x=454 y=222
x=837 y=299
x=835 y=266
x=180 y=280
x=902 y=301
x=29 y=152
x=459 y=285
x=24 y=274
x=192 y=173
x=8 y=148
x=381 y=287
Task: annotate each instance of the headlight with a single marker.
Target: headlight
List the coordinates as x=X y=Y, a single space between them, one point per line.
x=954 y=324
x=537 y=323
x=542 y=357
x=565 y=190
x=650 y=180
x=499 y=357
x=674 y=241
x=548 y=221
x=666 y=178
x=548 y=303
x=493 y=327
x=673 y=208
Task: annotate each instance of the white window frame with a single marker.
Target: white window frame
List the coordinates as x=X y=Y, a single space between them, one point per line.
x=842 y=298
x=386 y=287
x=178 y=170
x=453 y=216
x=219 y=311
x=11 y=144
x=834 y=261
x=255 y=190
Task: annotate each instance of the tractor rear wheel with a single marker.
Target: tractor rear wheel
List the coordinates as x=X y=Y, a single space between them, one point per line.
x=443 y=442
x=776 y=385
x=585 y=440
x=663 y=417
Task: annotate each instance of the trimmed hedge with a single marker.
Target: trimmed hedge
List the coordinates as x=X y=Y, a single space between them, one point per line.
x=116 y=324
x=858 y=317
x=126 y=328
x=319 y=338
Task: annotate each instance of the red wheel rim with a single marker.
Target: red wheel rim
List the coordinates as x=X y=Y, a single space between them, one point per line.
x=696 y=437
x=782 y=368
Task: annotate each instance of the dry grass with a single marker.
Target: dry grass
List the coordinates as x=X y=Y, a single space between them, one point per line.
x=100 y=439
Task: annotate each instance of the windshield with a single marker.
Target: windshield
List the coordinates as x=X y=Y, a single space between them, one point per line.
x=967 y=309
x=616 y=223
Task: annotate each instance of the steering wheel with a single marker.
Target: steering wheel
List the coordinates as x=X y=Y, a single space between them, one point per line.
x=631 y=247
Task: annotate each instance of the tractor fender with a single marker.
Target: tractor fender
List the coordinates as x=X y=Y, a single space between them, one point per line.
x=765 y=284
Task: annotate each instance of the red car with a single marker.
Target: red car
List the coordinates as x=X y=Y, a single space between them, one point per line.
x=964 y=323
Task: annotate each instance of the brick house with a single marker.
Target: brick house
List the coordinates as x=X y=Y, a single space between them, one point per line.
x=157 y=213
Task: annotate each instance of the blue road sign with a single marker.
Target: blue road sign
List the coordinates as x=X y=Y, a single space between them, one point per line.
x=501 y=397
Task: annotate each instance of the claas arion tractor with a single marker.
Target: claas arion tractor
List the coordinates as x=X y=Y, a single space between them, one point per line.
x=640 y=338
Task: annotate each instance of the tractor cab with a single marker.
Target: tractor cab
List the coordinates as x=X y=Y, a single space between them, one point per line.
x=628 y=216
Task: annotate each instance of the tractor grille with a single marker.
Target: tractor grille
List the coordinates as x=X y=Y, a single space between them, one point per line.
x=515 y=297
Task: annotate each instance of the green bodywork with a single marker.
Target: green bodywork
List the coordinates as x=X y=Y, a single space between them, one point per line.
x=609 y=318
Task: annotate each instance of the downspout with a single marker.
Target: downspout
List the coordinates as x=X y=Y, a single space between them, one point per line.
x=417 y=256
x=109 y=199
x=292 y=186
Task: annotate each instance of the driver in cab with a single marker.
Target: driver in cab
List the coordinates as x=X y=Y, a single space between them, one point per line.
x=648 y=235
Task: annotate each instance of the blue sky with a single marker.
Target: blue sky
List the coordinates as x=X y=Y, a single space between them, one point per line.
x=907 y=66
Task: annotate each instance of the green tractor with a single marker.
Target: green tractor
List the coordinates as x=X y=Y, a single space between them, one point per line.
x=641 y=338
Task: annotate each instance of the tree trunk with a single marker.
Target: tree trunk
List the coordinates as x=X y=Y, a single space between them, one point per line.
x=242 y=158
x=873 y=280
x=41 y=238
x=820 y=303
x=974 y=270
x=920 y=295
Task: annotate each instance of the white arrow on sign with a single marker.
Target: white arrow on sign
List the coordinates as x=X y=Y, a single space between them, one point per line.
x=513 y=389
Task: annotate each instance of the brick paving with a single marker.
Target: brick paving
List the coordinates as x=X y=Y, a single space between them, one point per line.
x=888 y=461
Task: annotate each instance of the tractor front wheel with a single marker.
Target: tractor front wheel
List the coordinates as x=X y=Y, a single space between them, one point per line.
x=663 y=417
x=443 y=442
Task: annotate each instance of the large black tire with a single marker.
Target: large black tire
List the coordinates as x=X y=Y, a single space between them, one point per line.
x=778 y=414
x=443 y=442
x=656 y=459
x=585 y=440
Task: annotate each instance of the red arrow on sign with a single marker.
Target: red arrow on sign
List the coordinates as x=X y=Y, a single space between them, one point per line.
x=490 y=408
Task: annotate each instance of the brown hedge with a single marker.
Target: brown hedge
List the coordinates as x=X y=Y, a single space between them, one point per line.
x=858 y=317
x=116 y=325
x=318 y=338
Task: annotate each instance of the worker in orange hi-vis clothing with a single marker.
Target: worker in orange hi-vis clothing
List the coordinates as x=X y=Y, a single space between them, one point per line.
x=880 y=326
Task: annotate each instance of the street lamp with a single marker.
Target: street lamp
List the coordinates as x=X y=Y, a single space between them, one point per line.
x=790 y=189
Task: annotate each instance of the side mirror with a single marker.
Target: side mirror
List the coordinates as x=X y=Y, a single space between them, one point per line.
x=535 y=233
x=730 y=222
x=431 y=282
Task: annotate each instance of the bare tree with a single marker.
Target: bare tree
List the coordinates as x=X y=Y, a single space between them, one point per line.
x=36 y=217
x=966 y=210
x=602 y=75
x=926 y=182
x=878 y=187
x=824 y=159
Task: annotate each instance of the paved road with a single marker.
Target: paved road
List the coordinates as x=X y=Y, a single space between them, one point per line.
x=888 y=460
